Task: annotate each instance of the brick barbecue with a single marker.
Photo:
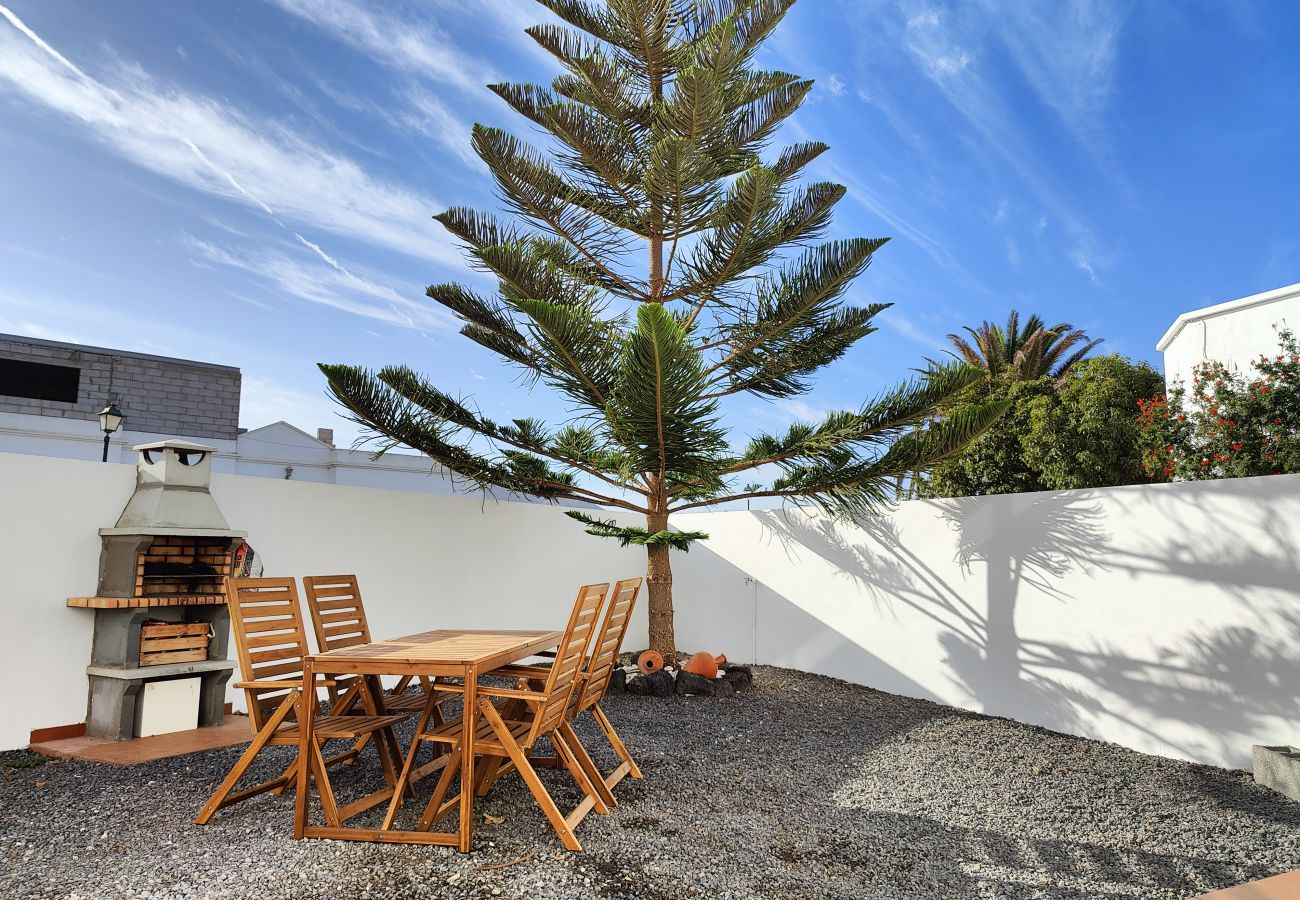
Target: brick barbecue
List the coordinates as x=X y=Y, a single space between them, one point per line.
x=161 y=569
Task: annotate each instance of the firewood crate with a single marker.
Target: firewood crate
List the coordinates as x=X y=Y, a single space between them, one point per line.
x=171 y=642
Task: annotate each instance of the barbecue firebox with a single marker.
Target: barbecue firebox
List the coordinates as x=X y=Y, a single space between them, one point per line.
x=163 y=562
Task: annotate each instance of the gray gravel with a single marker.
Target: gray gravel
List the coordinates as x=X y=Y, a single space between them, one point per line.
x=804 y=787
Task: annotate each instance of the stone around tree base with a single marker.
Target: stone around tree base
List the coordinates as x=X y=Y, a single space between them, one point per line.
x=617 y=682
x=739 y=677
x=1278 y=768
x=656 y=684
x=690 y=683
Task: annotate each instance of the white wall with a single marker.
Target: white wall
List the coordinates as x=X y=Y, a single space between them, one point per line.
x=1233 y=333
x=424 y=561
x=1165 y=618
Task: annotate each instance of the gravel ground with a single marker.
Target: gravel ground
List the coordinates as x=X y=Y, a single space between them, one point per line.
x=804 y=787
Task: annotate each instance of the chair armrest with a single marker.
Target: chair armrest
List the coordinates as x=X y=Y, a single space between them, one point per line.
x=486 y=691
x=280 y=685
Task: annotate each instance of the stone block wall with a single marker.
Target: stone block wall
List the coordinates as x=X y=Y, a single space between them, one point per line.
x=156 y=393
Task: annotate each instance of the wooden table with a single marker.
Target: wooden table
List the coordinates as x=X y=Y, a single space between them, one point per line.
x=442 y=653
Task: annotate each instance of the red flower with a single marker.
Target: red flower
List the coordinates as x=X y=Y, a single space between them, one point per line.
x=1236 y=446
x=1205 y=462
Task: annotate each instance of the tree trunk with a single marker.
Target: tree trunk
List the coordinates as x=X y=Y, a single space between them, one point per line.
x=659 y=587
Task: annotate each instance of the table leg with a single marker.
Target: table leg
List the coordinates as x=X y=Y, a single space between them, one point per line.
x=469 y=724
x=306 y=719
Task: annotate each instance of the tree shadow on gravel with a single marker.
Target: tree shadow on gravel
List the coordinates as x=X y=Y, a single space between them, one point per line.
x=1237 y=790
x=945 y=860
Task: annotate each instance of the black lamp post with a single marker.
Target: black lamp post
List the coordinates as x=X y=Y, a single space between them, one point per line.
x=110 y=417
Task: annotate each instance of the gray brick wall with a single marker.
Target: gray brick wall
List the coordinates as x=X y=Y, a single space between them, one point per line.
x=168 y=396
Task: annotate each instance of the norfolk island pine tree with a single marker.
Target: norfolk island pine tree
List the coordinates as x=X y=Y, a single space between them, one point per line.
x=660 y=257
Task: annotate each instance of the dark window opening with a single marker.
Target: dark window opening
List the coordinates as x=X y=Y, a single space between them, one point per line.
x=39 y=381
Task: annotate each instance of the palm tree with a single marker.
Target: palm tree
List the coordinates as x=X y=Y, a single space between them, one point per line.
x=1026 y=353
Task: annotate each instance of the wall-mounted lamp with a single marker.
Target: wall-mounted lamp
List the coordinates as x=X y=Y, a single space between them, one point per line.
x=110 y=418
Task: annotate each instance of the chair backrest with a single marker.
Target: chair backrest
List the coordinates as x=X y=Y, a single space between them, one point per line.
x=609 y=640
x=269 y=636
x=568 y=658
x=337 y=614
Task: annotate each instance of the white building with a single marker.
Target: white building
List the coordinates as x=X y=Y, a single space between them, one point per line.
x=1233 y=333
x=278 y=450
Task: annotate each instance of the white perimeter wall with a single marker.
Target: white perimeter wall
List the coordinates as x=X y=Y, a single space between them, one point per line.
x=1165 y=618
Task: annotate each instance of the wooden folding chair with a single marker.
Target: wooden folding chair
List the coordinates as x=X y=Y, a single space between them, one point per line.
x=269 y=635
x=339 y=619
x=593 y=683
x=507 y=741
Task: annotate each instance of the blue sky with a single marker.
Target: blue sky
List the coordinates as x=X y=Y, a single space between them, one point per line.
x=252 y=182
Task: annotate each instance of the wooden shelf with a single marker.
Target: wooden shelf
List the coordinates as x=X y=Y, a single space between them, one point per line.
x=146 y=602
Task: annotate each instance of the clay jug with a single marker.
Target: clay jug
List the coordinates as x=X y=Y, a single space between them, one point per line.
x=704 y=664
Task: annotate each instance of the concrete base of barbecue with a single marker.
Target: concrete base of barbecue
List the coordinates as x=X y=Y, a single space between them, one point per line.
x=1278 y=768
x=116 y=679
x=114 y=694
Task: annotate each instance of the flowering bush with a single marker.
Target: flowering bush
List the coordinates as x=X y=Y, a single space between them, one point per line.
x=1228 y=425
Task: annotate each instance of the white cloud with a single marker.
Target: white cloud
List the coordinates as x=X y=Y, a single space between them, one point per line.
x=1083 y=264
x=920 y=233
x=1067 y=49
x=431 y=117
x=335 y=287
x=416 y=47
x=211 y=147
x=908 y=329
x=835 y=84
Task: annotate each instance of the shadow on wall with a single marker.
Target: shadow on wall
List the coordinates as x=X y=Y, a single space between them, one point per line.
x=703 y=578
x=1221 y=684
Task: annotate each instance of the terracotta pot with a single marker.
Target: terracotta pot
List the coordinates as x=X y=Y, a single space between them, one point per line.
x=650 y=661
x=704 y=664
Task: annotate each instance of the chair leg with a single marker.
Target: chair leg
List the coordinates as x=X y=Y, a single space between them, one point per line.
x=403 y=780
x=486 y=775
x=629 y=766
x=534 y=783
x=340 y=706
x=590 y=799
x=220 y=797
x=604 y=796
x=434 y=806
x=323 y=786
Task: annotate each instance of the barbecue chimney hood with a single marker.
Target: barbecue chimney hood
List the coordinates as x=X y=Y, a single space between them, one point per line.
x=171 y=493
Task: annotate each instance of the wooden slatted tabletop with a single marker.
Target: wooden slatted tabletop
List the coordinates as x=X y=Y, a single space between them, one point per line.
x=442 y=649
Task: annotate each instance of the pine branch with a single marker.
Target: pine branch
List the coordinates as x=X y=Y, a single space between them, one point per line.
x=630 y=534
